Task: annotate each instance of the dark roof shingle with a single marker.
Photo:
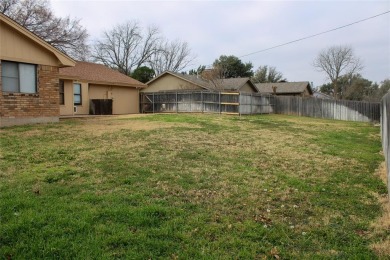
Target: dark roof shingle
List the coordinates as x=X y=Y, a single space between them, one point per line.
x=230 y=84
x=98 y=74
x=284 y=87
x=234 y=83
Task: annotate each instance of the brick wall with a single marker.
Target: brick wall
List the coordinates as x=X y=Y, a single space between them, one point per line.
x=43 y=106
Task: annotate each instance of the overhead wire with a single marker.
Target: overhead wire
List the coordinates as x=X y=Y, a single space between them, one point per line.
x=314 y=35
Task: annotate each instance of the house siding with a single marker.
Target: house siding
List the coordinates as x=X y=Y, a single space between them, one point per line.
x=19 y=48
x=247 y=88
x=306 y=93
x=170 y=83
x=125 y=100
x=67 y=107
x=40 y=107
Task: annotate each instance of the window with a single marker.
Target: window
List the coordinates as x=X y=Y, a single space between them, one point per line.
x=62 y=93
x=77 y=94
x=18 y=77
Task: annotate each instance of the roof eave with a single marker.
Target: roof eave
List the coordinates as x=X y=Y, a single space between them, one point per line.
x=253 y=86
x=64 y=60
x=122 y=84
x=158 y=76
x=168 y=72
x=108 y=83
x=68 y=77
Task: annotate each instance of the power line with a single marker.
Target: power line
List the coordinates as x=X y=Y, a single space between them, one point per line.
x=314 y=35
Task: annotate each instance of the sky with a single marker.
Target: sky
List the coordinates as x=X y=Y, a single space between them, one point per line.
x=214 y=28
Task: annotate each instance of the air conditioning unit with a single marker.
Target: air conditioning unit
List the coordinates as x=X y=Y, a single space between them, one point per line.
x=74 y=109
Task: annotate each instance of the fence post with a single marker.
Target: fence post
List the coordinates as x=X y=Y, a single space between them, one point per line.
x=153 y=103
x=141 y=103
x=201 y=101
x=219 y=101
x=177 y=104
x=300 y=101
x=251 y=103
x=239 y=102
x=273 y=104
x=385 y=126
x=191 y=102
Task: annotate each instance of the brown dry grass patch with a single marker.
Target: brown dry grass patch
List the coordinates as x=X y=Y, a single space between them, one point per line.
x=262 y=181
x=98 y=126
x=381 y=226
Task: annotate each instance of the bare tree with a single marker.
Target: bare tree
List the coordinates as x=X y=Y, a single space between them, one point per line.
x=126 y=47
x=171 y=56
x=36 y=16
x=213 y=77
x=6 y=5
x=336 y=62
x=265 y=74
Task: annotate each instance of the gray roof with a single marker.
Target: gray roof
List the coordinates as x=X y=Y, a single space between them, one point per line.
x=230 y=84
x=235 y=84
x=284 y=87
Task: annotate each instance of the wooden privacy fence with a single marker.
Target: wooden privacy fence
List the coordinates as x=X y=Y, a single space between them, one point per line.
x=347 y=110
x=385 y=127
x=206 y=102
x=247 y=103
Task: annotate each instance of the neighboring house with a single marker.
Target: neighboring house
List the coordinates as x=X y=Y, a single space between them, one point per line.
x=302 y=89
x=239 y=84
x=171 y=81
x=90 y=88
x=29 y=76
x=321 y=95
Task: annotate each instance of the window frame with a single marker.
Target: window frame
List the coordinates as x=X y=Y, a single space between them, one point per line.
x=61 y=90
x=19 y=79
x=77 y=94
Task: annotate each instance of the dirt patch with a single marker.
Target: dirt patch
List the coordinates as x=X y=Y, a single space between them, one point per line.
x=381 y=226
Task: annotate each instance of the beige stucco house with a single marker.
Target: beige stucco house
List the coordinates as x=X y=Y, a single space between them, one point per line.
x=302 y=89
x=90 y=88
x=28 y=76
x=171 y=81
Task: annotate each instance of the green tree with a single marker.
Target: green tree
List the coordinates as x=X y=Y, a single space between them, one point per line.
x=382 y=90
x=385 y=86
x=327 y=89
x=354 y=87
x=232 y=67
x=197 y=71
x=265 y=74
x=143 y=74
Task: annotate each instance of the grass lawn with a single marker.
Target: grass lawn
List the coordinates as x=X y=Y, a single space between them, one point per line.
x=190 y=186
